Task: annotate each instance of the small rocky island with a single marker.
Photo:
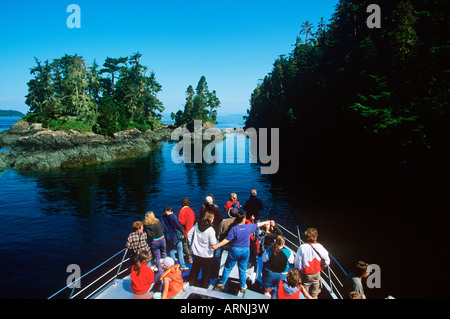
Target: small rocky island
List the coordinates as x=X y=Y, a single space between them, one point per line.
x=33 y=147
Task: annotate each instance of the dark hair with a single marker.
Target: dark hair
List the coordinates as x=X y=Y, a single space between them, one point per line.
x=360 y=269
x=279 y=241
x=185 y=202
x=143 y=257
x=293 y=277
x=240 y=216
x=137 y=225
x=311 y=235
x=208 y=218
x=354 y=295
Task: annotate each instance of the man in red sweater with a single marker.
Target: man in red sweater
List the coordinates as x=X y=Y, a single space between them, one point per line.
x=187 y=219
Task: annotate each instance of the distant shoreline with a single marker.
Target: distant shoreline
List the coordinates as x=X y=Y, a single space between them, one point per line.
x=11 y=113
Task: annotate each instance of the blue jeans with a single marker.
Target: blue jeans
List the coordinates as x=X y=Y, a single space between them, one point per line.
x=158 y=249
x=179 y=248
x=271 y=279
x=239 y=255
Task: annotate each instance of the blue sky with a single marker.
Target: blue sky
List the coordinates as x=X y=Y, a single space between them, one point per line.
x=232 y=43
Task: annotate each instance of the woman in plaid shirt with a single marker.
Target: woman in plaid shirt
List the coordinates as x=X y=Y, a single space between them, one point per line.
x=137 y=240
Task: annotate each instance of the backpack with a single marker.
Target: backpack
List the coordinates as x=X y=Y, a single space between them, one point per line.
x=254 y=242
x=234 y=209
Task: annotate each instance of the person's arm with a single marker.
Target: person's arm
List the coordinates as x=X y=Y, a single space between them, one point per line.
x=166 y=288
x=260 y=224
x=306 y=294
x=223 y=242
x=190 y=235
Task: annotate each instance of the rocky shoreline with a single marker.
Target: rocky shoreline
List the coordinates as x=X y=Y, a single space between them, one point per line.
x=33 y=147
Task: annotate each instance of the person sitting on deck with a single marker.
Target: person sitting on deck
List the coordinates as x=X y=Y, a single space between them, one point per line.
x=142 y=276
x=171 y=279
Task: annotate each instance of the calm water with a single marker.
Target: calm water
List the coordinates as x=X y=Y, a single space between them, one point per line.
x=60 y=217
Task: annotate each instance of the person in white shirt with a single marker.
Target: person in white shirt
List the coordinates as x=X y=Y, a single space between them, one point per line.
x=201 y=237
x=310 y=259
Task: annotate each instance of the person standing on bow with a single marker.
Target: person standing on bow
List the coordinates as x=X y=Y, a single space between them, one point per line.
x=239 y=252
x=311 y=259
x=253 y=207
x=201 y=237
x=186 y=218
x=173 y=233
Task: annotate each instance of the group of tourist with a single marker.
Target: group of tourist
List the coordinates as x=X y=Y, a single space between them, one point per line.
x=155 y=242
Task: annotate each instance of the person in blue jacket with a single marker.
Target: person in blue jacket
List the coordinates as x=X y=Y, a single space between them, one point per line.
x=171 y=225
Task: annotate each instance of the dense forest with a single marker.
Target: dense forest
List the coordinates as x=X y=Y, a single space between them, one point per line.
x=364 y=103
x=68 y=94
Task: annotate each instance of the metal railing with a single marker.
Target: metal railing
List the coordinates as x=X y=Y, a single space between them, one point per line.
x=73 y=285
x=293 y=242
x=332 y=283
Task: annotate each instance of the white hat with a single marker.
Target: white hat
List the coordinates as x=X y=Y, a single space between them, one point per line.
x=168 y=262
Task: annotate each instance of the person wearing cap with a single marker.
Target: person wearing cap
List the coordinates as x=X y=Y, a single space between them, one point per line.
x=210 y=206
x=171 y=226
x=171 y=278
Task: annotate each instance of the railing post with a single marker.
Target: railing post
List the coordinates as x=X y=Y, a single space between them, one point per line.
x=121 y=263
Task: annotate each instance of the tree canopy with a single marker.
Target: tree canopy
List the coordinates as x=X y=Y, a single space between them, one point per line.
x=68 y=94
x=355 y=98
x=201 y=104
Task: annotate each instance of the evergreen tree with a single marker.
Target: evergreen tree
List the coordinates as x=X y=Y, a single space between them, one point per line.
x=200 y=105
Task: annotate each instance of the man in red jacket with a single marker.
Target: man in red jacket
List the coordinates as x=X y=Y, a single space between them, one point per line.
x=187 y=219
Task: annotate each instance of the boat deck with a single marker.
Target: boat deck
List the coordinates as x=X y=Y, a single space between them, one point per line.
x=119 y=285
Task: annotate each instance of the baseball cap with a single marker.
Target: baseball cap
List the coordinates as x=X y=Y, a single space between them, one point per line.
x=168 y=262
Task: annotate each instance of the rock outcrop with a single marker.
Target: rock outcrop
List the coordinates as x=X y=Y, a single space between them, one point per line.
x=35 y=148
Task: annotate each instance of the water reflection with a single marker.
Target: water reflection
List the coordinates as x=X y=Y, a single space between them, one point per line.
x=109 y=188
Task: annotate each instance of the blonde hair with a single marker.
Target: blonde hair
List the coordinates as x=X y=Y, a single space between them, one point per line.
x=233 y=197
x=150 y=219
